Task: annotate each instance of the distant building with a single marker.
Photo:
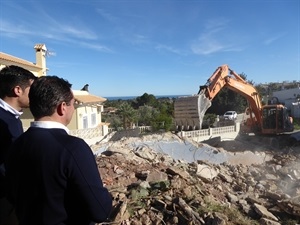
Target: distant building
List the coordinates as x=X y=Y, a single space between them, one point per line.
x=290 y=98
x=88 y=110
x=88 y=107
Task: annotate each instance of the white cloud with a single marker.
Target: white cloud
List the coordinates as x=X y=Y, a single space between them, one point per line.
x=13 y=30
x=167 y=48
x=107 y=16
x=215 y=38
x=96 y=47
x=270 y=40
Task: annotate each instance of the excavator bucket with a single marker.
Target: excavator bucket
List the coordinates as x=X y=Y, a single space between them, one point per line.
x=189 y=111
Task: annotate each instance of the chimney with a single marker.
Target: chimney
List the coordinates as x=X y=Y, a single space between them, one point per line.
x=40 y=54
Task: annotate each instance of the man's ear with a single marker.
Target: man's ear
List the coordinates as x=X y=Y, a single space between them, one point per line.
x=61 y=108
x=17 y=91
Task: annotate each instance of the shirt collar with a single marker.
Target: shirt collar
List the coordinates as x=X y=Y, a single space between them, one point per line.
x=48 y=125
x=10 y=109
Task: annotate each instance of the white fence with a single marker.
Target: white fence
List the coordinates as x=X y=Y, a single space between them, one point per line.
x=217 y=131
x=142 y=129
x=98 y=132
x=88 y=133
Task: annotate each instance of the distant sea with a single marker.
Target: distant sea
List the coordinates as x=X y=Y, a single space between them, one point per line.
x=133 y=97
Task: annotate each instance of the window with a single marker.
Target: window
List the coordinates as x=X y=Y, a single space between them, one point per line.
x=93 y=119
x=85 y=122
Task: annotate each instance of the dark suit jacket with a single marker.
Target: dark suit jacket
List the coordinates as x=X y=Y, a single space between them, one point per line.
x=53 y=178
x=10 y=128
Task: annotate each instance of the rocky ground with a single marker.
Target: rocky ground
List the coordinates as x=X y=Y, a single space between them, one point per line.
x=149 y=187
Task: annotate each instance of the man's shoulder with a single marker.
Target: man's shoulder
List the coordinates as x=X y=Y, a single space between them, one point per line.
x=53 y=133
x=76 y=146
x=68 y=140
x=75 y=140
x=57 y=137
x=5 y=114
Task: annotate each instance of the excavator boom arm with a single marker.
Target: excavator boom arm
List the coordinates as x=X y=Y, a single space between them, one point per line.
x=225 y=77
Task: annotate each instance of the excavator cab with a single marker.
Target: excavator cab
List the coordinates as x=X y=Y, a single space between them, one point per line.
x=275 y=120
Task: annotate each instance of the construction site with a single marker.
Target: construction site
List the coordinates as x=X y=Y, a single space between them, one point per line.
x=166 y=179
x=244 y=173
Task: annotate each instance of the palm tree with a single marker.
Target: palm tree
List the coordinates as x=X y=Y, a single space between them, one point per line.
x=128 y=114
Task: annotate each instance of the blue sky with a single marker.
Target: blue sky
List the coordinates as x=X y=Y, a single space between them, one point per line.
x=160 y=47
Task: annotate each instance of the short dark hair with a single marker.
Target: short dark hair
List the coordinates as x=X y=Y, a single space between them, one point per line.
x=12 y=76
x=46 y=93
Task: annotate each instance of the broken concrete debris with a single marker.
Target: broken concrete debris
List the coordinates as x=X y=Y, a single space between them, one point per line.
x=150 y=187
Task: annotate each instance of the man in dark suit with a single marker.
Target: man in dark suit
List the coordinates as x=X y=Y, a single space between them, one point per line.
x=53 y=177
x=15 y=83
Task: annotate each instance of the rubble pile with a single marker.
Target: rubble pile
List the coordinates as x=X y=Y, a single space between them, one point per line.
x=152 y=188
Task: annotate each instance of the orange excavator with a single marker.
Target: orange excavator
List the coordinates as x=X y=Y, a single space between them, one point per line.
x=264 y=119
